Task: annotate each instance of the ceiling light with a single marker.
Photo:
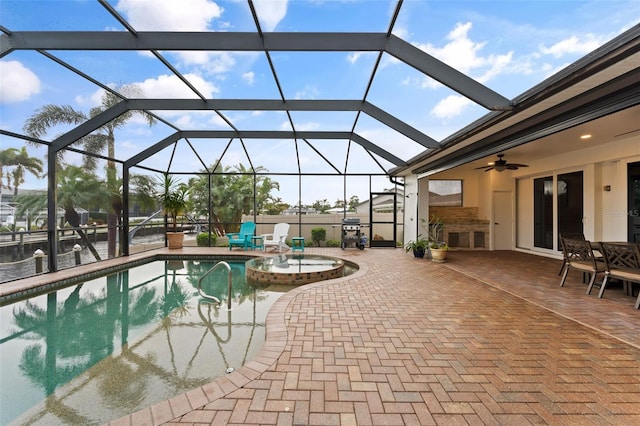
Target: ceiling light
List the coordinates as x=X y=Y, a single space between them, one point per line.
x=586 y=136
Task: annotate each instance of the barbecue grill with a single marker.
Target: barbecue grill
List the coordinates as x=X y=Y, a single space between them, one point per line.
x=351 y=237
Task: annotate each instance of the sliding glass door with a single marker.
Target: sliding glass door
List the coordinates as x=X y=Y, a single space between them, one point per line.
x=570 y=203
x=543 y=212
x=564 y=195
x=633 y=174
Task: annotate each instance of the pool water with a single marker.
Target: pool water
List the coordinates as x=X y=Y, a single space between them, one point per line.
x=105 y=348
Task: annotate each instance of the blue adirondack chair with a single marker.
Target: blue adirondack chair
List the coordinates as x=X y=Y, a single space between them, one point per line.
x=242 y=238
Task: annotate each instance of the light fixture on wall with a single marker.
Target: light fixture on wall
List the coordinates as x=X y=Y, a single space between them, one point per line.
x=607 y=188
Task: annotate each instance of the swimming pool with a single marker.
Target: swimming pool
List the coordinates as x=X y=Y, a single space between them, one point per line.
x=104 y=348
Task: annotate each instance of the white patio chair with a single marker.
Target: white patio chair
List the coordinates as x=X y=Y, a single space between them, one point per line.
x=278 y=237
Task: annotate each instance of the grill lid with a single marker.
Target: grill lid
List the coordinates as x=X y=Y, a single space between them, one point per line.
x=351 y=221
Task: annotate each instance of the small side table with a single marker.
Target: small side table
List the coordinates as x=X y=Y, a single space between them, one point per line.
x=297 y=244
x=257 y=241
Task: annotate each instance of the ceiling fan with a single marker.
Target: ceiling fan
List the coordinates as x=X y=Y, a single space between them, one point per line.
x=501 y=165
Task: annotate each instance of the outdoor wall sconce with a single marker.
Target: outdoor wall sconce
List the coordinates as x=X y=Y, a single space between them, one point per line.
x=607 y=188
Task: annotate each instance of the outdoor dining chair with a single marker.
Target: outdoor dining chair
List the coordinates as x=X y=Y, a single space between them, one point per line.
x=571 y=236
x=578 y=255
x=622 y=262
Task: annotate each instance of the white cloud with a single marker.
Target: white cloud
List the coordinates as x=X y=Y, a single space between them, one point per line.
x=170 y=86
x=218 y=122
x=185 y=122
x=573 y=46
x=307 y=126
x=498 y=64
x=209 y=62
x=170 y=15
x=309 y=92
x=17 y=82
x=270 y=13
x=401 y=31
x=184 y=15
x=450 y=106
x=391 y=141
x=464 y=54
x=353 y=57
x=460 y=52
x=249 y=77
x=93 y=100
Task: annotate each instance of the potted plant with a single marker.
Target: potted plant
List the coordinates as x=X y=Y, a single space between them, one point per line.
x=418 y=246
x=437 y=248
x=173 y=199
x=439 y=252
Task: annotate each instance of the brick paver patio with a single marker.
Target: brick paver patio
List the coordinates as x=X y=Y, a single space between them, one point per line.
x=487 y=338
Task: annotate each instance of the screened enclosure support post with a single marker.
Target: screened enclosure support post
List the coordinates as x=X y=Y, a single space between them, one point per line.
x=125 y=211
x=344 y=195
x=210 y=211
x=299 y=204
x=255 y=202
x=52 y=234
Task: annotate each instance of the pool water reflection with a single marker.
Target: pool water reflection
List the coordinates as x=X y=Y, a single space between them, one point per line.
x=102 y=349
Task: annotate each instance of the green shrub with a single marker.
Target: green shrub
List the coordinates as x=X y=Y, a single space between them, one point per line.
x=204 y=239
x=98 y=217
x=318 y=234
x=333 y=243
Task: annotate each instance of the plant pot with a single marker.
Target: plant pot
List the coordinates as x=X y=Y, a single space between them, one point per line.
x=175 y=240
x=438 y=255
x=418 y=253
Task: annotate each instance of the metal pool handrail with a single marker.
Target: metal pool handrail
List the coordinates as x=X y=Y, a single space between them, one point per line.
x=215 y=299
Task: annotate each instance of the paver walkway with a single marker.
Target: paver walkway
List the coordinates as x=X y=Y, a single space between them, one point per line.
x=488 y=338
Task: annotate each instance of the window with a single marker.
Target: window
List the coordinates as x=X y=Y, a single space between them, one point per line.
x=445 y=193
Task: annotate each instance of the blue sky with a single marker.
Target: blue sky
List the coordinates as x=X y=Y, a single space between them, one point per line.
x=509 y=46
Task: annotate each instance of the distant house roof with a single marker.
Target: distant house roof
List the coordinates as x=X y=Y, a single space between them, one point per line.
x=295 y=211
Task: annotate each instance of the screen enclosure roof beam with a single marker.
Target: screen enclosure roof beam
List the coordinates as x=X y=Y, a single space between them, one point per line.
x=241 y=104
x=250 y=41
x=261 y=134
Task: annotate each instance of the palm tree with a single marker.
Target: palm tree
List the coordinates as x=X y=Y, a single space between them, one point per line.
x=75 y=188
x=22 y=163
x=51 y=115
x=7 y=159
x=232 y=195
x=14 y=163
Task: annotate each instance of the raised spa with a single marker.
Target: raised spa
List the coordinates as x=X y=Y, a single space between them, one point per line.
x=294 y=269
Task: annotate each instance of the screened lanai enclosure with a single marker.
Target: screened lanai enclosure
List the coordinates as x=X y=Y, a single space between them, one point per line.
x=254 y=112
x=259 y=125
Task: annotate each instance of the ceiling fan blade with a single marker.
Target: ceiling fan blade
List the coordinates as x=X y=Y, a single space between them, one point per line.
x=502 y=164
